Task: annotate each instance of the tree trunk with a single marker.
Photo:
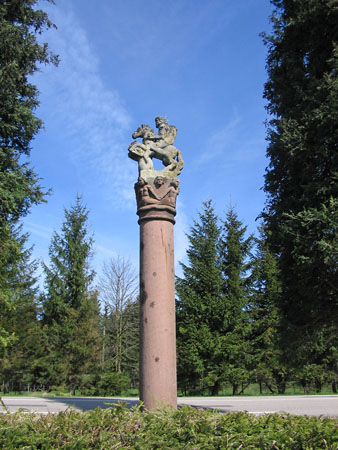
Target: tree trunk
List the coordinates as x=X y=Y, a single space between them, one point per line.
x=244 y=386
x=270 y=388
x=318 y=386
x=281 y=386
x=234 y=389
x=215 y=388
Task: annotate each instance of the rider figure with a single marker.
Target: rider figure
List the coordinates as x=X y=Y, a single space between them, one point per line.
x=166 y=133
x=160 y=146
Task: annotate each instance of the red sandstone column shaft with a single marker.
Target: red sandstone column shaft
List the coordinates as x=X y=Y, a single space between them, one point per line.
x=157 y=314
x=156 y=192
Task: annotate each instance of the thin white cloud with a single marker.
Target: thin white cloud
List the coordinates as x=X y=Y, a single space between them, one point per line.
x=92 y=118
x=100 y=249
x=158 y=35
x=234 y=143
x=221 y=141
x=38 y=230
x=110 y=246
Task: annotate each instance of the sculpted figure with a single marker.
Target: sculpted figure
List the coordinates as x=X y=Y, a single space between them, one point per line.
x=170 y=197
x=160 y=191
x=142 y=152
x=158 y=146
x=145 y=194
x=159 y=181
x=166 y=134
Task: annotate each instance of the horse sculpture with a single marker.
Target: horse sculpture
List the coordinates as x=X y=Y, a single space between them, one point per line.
x=157 y=146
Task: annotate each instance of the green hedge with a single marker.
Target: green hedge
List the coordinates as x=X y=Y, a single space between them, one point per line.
x=186 y=428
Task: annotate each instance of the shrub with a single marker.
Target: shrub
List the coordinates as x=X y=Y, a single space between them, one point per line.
x=114 y=383
x=186 y=428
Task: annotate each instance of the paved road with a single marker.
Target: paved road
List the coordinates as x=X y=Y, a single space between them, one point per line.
x=312 y=405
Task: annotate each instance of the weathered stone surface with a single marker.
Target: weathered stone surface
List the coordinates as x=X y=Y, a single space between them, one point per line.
x=157 y=315
x=156 y=193
x=159 y=146
x=156 y=198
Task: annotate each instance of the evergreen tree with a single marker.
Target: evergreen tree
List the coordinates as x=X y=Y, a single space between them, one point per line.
x=18 y=360
x=70 y=308
x=313 y=357
x=20 y=56
x=200 y=308
x=271 y=366
x=235 y=260
x=301 y=181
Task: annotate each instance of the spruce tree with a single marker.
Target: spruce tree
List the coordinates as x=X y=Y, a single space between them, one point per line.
x=19 y=357
x=269 y=357
x=302 y=178
x=20 y=56
x=200 y=308
x=235 y=260
x=69 y=306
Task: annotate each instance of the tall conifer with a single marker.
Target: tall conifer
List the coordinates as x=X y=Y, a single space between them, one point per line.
x=235 y=260
x=267 y=348
x=70 y=312
x=302 y=178
x=20 y=56
x=200 y=303
x=19 y=357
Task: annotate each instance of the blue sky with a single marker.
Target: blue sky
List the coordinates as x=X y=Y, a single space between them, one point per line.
x=123 y=62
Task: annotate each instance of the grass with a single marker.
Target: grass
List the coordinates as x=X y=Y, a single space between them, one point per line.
x=58 y=393
x=251 y=390
x=291 y=389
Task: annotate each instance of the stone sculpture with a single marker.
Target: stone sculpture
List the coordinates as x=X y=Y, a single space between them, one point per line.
x=160 y=191
x=156 y=192
x=156 y=187
x=158 y=146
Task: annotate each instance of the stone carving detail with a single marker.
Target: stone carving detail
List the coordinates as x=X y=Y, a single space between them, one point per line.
x=160 y=192
x=159 y=146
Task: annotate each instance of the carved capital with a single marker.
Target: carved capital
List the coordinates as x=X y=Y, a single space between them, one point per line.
x=156 y=198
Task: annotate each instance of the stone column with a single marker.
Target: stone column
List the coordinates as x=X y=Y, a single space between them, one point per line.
x=156 y=192
x=157 y=294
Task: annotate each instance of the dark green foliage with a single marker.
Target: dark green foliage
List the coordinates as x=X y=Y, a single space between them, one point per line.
x=20 y=56
x=236 y=265
x=69 y=308
x=314 y=357
x=268 y=350
x=18 y=358
x=105 y=384
x=187 y=428
x=301 y=180
x=69 y=276
x=12 y=251
x=212 y=324
x=200 y=306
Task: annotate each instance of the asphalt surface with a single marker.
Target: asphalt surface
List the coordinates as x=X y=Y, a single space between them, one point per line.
x=310 y=405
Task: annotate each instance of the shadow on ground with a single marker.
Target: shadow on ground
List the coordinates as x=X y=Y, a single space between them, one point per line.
x=86 y=404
